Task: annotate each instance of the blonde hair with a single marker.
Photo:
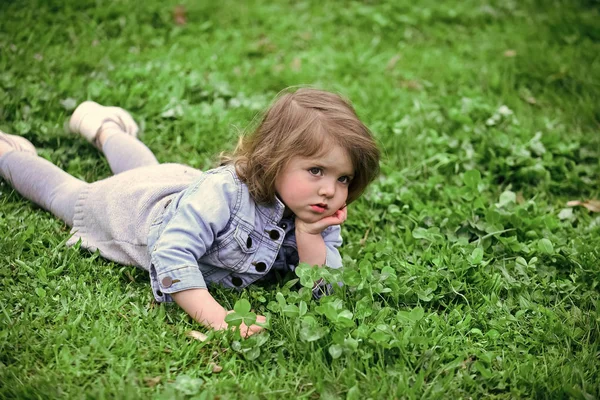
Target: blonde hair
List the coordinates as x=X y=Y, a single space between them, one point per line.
x=303 y=123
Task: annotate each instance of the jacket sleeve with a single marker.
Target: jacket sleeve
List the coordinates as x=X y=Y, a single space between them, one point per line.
x=201 y=214
x=333 y=239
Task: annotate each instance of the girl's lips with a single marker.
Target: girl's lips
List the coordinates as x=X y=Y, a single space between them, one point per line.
x=320 y=208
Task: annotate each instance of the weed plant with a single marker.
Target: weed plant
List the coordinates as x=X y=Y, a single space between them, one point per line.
x=466 y=276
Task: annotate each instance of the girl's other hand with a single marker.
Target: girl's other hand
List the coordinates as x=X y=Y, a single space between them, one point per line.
x=319 y=226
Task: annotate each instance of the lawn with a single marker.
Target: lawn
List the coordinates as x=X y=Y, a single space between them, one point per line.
x=466 y=274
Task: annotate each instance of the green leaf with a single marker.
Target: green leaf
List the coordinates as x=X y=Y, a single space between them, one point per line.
x=249 y=319
x=329 y=310
x=472 y=178
x=188 y=385
x=236 y=345
x=345 y=314
x=387 y=272
x=477 y=255
x=416 y=314
x=492 y=334
x=545 y=246
x=565 y=213
x=307 y=281
x=424 y=295
x=476 y=331
x=42 y=275
x=430 y=234
x=480 y=367
x=420 y=233
x=40 y=292
x=309 y=333
x=353 y=393
x=404 y=316
x=521 y=262
x=335 y=350
x=506 y=198
x=380 y=337
x=242 y=306
x=252 y=354
x=351 y=344
x=234 y=319
x=261 y=339
x=280 y=299
x=291 y=310
x=289 y=284
x=302 y=308
x=351 y=277
x=303 y=270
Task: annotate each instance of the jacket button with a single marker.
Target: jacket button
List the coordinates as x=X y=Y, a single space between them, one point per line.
x=167 y=282
x=237 y=281
x=274 y=235
x=249 y=242
x=159 y=293
x=261 y=267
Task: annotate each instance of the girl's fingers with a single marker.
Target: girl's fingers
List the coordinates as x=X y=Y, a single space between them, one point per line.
x=246 y=330
x=252 y=330
x=338 y=218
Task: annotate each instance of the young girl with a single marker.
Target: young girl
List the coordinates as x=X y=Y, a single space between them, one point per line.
x=277 y=201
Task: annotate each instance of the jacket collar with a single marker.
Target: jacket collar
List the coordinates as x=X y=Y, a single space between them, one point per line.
x=273 y=211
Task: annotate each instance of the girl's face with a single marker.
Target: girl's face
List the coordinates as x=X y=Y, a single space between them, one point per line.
x=315 y=187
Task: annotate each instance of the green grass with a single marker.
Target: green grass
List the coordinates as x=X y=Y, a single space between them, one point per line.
x=458 y=284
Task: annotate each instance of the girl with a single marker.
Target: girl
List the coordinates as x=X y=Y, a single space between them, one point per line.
x=277 y=201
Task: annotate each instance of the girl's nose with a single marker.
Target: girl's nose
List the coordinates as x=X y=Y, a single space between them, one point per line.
x=327 y=189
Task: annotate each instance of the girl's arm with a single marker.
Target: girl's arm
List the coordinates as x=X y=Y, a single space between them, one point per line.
x=200 y=215
x=311 y=245
x=203 y=308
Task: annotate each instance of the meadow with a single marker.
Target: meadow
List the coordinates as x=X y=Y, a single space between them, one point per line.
x=466 y=274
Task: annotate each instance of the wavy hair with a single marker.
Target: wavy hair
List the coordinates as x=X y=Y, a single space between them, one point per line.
x=303 y=123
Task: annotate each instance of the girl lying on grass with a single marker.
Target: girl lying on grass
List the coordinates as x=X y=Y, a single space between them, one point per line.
x=277 y=201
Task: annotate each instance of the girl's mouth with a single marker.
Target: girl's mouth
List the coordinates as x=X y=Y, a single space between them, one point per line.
x=320 y=208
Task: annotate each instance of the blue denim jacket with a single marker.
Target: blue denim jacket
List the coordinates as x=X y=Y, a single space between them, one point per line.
x=214 y=232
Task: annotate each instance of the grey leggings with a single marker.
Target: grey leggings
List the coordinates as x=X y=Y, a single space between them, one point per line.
x=55 y=190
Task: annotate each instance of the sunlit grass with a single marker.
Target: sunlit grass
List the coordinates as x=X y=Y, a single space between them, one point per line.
x=457 y=284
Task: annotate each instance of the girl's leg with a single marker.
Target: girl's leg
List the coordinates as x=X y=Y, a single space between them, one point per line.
x=38 y=180
x=113 y=131
x=122 y=151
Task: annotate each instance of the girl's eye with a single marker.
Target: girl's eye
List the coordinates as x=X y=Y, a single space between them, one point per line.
x=315 y=171
x=344 y=179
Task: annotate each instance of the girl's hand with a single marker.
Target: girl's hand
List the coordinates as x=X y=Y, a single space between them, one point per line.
x=247 y=331
x=319 y=226
x=201 y=306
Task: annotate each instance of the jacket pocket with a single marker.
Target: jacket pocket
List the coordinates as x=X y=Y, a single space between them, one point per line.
x=243 y=236
x=234 y=254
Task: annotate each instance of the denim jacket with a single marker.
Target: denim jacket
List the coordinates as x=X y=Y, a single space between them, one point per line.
x=214 y=232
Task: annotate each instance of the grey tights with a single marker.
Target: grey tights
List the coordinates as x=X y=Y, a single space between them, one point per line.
x=55 y=190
